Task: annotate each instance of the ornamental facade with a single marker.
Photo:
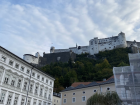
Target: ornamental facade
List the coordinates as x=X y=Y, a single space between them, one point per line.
x=21 y=83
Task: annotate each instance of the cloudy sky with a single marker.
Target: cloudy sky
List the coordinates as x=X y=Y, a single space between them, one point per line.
x=30 y=26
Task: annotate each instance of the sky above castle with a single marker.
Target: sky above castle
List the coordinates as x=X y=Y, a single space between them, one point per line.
x=30 y=26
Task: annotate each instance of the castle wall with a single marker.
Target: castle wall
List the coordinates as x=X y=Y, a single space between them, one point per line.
x=30 y=58
x=131 y=42
x=83 y=49
x=96 y=45
x=56 y=57
x=74 y=49
x=61 y=50
x=134 y=49
x=108 y=43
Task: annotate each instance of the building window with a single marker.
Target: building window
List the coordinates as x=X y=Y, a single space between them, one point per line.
x=49 y=97
x=108 y=88
x=39 y=103
x=46 y=81
x=45 y=95
x=73 y=99
x=42 y=78
x=33 y=74
x=41 y=92
x=36 y=89
x=57 y=101
x=45 y=103
x=17 y=66
x=83 y=98
x=54 y=100
x=16 y=100
x=19 y=83
x=65 y=100
x=22 y=68
x=3 y=59
x=34 y=103
x=9 y=99
x=50 y=83
x=65 y=95
x=73 y=93
x=22 y=100
x=13 y=82
x=83 y=92
x=6 y=80
x=2 y=97
x=28 y=71
x=38 y=76
x=29 y=101
x=11 y=63
x=25 y=85
x=31 y=88
x=95 y=91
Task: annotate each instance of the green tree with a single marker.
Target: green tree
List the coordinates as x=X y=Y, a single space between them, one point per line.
x=107 y=98
x=123 y=64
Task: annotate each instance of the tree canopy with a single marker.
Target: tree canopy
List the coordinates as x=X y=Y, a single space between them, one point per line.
x=87 y=69
x=107 y=98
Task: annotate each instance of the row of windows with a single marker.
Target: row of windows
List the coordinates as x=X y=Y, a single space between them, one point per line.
x=18 y=85
x=93 y=91
x=54 y=100
x=74 y=99
x=16 y=99
x=101 y=41
x=11 y=63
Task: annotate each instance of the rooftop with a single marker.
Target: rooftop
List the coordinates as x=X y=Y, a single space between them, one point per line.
x=80 y=85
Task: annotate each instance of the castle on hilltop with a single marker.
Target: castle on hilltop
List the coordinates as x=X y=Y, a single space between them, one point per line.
x=95 y=46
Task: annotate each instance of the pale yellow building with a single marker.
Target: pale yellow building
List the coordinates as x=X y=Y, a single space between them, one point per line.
x=78 y=95
x=56 y=99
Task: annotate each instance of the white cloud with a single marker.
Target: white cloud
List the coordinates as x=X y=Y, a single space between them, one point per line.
x=31 y=27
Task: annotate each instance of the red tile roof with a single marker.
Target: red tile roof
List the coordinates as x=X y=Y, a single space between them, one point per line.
x=75 y=84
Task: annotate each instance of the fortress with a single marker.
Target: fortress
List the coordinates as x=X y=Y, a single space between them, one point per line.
x=95 y=46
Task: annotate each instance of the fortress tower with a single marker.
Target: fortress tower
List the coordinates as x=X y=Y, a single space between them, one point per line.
x=122 y=40
x=31 y=58
x=52 y=49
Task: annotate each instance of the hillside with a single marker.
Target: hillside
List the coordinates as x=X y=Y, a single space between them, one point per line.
x=87 y=68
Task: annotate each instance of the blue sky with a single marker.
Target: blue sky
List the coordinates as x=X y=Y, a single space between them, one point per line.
x=30 y=26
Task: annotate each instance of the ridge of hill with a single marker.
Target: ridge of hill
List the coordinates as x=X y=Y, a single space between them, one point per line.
x=87 y=68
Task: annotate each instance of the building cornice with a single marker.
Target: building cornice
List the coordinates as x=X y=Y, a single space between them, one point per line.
x=24 y=62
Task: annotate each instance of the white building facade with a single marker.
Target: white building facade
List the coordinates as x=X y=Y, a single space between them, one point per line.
x=21 y=83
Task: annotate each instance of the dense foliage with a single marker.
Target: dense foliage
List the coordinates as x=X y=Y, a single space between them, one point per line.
x=107 y=98
x=87 y=68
